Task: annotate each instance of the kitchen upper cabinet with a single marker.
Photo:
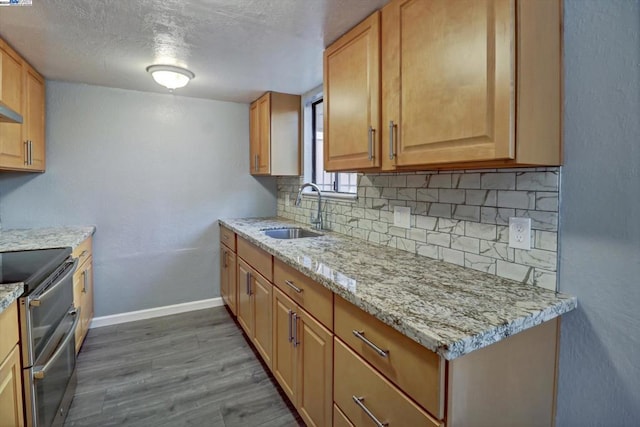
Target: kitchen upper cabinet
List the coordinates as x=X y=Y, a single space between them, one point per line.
x=274 y=134
x=303 y=360
x=471 y=83
x=352 y=99
x=22 y=88
x=464 y=83
x=34 y=119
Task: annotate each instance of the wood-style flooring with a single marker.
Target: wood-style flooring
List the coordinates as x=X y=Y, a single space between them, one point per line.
x=192 y=369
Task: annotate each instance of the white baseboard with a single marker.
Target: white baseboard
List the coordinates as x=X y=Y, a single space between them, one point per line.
x=150 y=313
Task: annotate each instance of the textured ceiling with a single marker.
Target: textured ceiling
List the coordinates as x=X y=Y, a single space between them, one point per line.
x=237 y=48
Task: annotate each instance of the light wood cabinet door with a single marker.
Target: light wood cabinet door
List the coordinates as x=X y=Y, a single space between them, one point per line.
x=12 y=147
x=275 y=134
x=11 y=408
x=449 y=79
x=260 y=135
x=283 y=362
x=244 y=312
x=34 y=119
x=83 y=299
x=261 y=296
x=314 y=346
x=352 y=99
x=228 y=283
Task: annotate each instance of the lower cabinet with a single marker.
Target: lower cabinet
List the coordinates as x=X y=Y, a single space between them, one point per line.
x=83 y=289
x=228 y=282
x=11 y=409
x=371 y=374
x=365 y=396
x=254 y=308
x=11 y=390
x=302 y=360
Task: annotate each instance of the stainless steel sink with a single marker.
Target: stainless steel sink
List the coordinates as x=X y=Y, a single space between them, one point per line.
x=290 y=233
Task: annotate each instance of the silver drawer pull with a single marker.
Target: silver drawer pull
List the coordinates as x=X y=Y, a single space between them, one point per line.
x=292 y=286
x=360 y=335
x=366 y=410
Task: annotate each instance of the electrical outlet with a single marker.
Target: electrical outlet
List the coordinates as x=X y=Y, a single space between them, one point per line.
x=520 y=233
x=402 y=216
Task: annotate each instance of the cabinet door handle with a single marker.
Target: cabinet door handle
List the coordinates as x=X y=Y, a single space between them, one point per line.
x=391 y=129
x=290 y=326
x=292 y=286
x=371 y=138
x=359 y=401
x=84 y=282
x=30 y=152
x=294 y=320
x=255 y=163
x=360 y=335
x=26 y=152
x=225 y=259
x=248 y=283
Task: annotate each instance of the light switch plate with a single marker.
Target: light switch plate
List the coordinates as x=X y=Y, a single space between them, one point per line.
x=402 y=216
x=520 y=233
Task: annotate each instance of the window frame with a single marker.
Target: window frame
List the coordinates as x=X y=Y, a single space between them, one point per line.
x=335 y=176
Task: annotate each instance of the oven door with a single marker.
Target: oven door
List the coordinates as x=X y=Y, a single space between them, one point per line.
x=51 y=382
x=42 y=310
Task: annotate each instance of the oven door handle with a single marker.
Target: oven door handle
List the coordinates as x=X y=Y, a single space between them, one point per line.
x=39 y=372
x=35 y=302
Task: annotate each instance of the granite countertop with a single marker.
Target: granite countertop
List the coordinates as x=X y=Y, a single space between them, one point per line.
x=36 y=238
x=449 y=309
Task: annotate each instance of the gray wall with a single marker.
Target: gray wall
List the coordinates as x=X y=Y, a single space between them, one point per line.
x=153 y=173
x=599 y=382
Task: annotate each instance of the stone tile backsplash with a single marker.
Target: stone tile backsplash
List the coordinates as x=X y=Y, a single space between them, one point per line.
x=459 y=217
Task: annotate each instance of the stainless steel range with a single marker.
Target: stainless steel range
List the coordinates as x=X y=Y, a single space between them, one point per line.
x=48 y=322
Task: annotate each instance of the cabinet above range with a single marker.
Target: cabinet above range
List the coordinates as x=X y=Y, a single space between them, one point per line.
x=275 y=134
x=22 y=91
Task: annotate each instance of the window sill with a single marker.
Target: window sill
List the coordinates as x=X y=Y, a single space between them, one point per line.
x=343 y=197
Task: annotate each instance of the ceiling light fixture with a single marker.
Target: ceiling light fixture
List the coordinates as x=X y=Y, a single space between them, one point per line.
x=169 y=76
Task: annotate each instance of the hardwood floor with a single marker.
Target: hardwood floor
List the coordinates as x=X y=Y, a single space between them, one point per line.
x=192 y=369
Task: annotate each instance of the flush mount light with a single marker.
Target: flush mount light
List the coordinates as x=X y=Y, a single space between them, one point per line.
x=169 y=76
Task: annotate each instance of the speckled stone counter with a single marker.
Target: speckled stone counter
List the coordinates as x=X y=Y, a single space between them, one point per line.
x=8 y=294
x=36 y=238
x=449 y=309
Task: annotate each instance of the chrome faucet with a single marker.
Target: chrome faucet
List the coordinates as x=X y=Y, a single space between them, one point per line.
x=317 y=222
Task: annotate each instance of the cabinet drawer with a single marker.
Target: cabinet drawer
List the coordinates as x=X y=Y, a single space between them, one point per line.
x=83 y=251
x=339 y=418
x=418 y=371
x=312 y=296
x=355 y=379
x=260 y=260
x=228 y=237
x=9 y=327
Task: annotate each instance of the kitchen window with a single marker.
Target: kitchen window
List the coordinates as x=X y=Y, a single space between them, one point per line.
x=336 y=183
